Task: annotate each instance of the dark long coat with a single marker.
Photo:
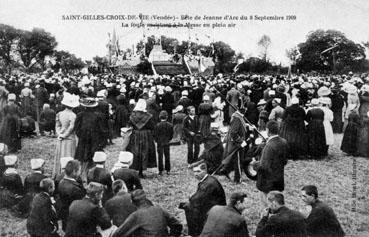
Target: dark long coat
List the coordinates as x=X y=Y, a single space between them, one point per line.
x=284 y=222
x=90 y=131
x=84 y=217
x=271 y=166
x=120 y=207
x=315 y=133
x=10 y=127
x=209 y=193
x=224 y=221
x=141 y=142
x=42 y=220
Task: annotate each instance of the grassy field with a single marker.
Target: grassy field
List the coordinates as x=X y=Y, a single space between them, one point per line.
x=333 y=176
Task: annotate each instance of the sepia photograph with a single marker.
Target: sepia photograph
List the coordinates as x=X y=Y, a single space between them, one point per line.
x=185 y=118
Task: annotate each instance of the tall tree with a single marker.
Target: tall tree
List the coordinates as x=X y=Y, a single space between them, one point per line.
x=264 y=43
x=67 y=61
x=34 y=46
x=9 y=37
x=324 y=50
x=293 y=55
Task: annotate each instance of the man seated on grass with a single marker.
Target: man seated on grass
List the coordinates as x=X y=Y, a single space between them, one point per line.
x=227 y=220
x=279 y=220
x=321 y=222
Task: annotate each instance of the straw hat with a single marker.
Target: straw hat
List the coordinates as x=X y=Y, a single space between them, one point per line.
x=324 y=91
x=70 y=100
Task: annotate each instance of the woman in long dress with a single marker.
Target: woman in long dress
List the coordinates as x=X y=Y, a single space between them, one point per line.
x=10 y=126
x=293 y=129
x=315 y=131
x=142 y=141
x=328 y=118
x=363 y=141
x=64 y=127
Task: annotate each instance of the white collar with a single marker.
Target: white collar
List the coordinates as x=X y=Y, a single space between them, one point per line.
x=192 y=116
x=99 y=166
x=37 y=171
x=65 y=177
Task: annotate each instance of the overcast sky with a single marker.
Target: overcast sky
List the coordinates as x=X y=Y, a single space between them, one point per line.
x=89 y=38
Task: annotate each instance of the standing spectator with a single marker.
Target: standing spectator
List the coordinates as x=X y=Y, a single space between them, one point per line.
x=163 y=133
x=350 y=138
x=64 y=127
x=322 y=221
x=42 y=221
x=315 y=131
x=352 y=103
x=209 y=193
x=224 y=221
x=120 y=206
x=184 y=100
x=177 y=121
x=26 y=97
x=148 y=220
x=328 y=118
x=47 y=120
x=205 y=110
x=10 y=126
x=190 y=129
x=3 y=98
x=338 y=102
x=168 y=102
x=90 y=132
x=234 y=97
x=86 y=214
x=121 y=116
x=142 y=141
x=69 y=190
x=293 y=129
x=273 y=158
x=122 y=171
x=279 y=220
x=41 y=97
x=363 y=137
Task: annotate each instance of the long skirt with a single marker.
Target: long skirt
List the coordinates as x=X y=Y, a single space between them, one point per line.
x=143 y=148
x=204 y=124
x=64 y=148
x=350 y=139
x=337 y=122
x=296 y=138
x=316 y=139
x=9 y=133
x=363 y=142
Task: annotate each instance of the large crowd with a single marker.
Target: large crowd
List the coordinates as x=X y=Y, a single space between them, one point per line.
x=295 y=115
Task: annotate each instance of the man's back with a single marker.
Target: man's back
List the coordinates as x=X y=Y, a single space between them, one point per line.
x=130 y=177
x=120 y=207
x=284 y=222
x=149 y=221
x=323 y=222
x=84 y=217
x=224 y=221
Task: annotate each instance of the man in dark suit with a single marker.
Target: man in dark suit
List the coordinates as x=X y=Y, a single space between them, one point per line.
x=148 y=220
x=103 y=110
x=322 y=221
x=69 y=190
x=227 y=220
x=120 y=206
x=100 y=175
x=273 y=158
x=279 y=220
x=42 y=221
x=122 y=171
x=163 y=133
x=190 y=129
x=209 y=193
x=86 y=214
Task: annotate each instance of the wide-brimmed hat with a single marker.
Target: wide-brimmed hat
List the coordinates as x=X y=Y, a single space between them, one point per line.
x=324 y=100
x=88 y=102
x=324 y=91
x=262 y=102
x=70 y=100
x=178 y=109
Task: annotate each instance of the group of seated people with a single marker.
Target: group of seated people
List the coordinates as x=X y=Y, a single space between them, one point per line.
x=113 y=203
